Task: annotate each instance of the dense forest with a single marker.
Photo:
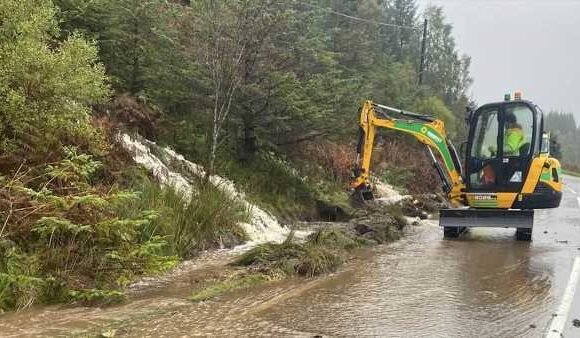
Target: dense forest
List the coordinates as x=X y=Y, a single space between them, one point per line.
x=566 y=136
x=263 y=92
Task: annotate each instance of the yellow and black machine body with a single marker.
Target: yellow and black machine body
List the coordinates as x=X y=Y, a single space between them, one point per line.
x=504 y=173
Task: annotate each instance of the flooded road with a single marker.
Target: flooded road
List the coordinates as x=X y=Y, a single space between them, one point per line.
x=485 y=284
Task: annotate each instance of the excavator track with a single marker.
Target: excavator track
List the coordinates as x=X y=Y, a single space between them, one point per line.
x=455 y=221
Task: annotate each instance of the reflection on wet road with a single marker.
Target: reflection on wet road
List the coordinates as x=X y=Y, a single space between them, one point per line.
x=485 y=284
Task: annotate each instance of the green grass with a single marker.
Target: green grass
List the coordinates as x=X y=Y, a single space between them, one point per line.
x=571 y=173
x=208 y=219
x=287 y=190
x=274 y=185
x=323 y=252
x=237 y=282
x=97 y=297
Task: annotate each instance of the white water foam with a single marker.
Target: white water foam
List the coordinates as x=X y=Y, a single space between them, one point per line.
x=262 y=227
x=387 y=194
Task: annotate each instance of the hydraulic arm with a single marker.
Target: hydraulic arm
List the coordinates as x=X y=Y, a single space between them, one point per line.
x=426 y=129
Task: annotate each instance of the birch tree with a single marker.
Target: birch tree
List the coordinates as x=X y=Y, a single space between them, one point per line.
x=224 y=33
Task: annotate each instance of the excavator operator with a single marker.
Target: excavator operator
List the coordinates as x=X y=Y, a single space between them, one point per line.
x=514 y=139
x=514 y=136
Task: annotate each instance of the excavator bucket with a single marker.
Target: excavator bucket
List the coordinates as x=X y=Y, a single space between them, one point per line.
x=367 y=194
x=462 y=218
x=361 y=195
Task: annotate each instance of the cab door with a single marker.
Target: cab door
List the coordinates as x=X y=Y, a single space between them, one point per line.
x=518 y=133
x=483 y=157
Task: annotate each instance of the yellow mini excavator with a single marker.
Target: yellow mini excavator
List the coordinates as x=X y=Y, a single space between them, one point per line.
x=508 y=169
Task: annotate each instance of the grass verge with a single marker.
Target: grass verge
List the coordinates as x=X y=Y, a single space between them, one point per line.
x=571 y=173
x=322 y=252
x=238 y=282
x=208 y=219
x=72 y=231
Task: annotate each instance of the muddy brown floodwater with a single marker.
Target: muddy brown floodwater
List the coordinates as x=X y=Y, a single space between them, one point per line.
x=485 y=284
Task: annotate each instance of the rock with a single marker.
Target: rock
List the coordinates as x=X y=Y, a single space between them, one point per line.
x=330 y=213
x=362 y=229
x=409 y=209
x=576 y=323
x=533 y=326
x=545 y=231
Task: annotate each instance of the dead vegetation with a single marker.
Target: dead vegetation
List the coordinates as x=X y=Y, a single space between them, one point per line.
x=404 y=164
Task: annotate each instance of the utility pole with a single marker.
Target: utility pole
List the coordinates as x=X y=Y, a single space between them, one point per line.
x=423 y=50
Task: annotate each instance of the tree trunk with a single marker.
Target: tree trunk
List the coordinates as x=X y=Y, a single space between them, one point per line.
x=249 y=143
x=212 y=151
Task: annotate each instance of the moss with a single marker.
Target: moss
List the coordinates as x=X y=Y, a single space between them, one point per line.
x=397 y=212
x=323 y=252
x=234 y=283
x=97 y=297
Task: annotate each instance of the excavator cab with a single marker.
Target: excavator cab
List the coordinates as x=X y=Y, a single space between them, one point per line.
x=503 y=139
x=507 y=162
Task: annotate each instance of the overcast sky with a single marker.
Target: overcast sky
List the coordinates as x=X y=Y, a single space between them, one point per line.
x=528 y=45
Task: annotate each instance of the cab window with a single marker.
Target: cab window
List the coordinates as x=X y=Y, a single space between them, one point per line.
x=518 y=130
x=484 y=148
x=486 y=133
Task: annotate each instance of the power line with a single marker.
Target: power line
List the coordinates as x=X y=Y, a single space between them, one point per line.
x=360 y=19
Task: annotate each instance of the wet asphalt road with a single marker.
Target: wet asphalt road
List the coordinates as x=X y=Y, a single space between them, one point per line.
x=485 y=284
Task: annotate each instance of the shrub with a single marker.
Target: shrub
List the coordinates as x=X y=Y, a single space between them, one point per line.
x=403 y=163
x=273 y=182
x=46 y=86
x=62 y=233
x=336 y=161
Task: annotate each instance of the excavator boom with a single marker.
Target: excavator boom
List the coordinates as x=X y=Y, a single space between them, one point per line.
x=426 y=129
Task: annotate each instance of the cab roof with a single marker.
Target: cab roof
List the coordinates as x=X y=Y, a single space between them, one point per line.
x=530 y=103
